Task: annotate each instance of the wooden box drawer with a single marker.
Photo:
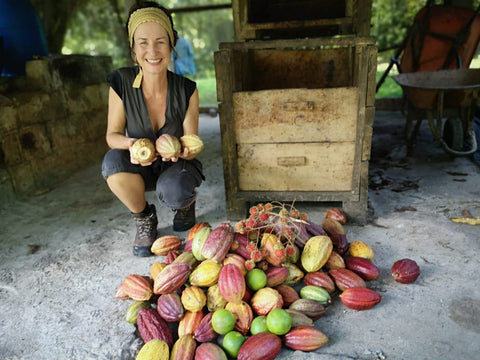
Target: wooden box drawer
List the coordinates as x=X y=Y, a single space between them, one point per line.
x=296 y=166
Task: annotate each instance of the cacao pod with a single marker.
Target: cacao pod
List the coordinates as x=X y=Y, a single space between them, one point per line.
x=276 y=275
x=171 y=278
x=164 y=244
x=345 y=279
x=363 y=267
x=294 y=274
x=337 y=234
x=336 y=214
x=154 y=349
x=305 y=338
x=218 y=242
x=190 y=322
x=151 y=326
x=172 y=256
x=156 y=269
x=405 y=271
x=168 y=146
x=319 y=278
x=299 y=318
x=314 y=229
x=360 y=249
x=137 y=287
x=335 y=260
x=132 y=311
x=184 y=348
x=193 y=298
x=243 y=315
x=242 y=241
x=265 y=300
x=316 y=293
x=186 y=257
x=143 y=150
x=215 y=299
x=275 y=253
x=198 y=241
x=205 y=274
x=195 y=228
x=288 y=293
x=193 y=143
x=210 y=351
x=231 y=283
x=261 y=346
x=316 y=252
x=170 y=307
x=236 y=260
x=204 y=332
x=313 y=309
x=360 y=298
x=120 y=293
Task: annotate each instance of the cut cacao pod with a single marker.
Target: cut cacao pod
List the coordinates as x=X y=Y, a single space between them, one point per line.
x=405 y=271
x=360 y=298
x=143 y=150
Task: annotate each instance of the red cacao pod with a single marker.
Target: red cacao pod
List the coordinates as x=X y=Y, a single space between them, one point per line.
x=210 y=351
x=337 y=234
x=170 y=307
x=319 y=278
x=405 y=271
x=184 y=348
x=305 y=338
x=164 y=244
x=261 y=346
x=218 y=242
x=204 y=332
x=172 y=255
x=231 y=283
x=151 y=326
x=345 y=279
x=288 y=293
x=313 y=309
x=360 y=298
x=314 y=229
x=242 y=241
x=335 y=260
x=276 y=275
x=171 y=278
x=137 y=287
x=366 y=269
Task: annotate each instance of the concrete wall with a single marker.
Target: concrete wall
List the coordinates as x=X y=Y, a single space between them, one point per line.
x=52 y=122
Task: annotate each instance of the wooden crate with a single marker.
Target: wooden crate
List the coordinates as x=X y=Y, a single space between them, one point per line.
x=284 y=19
x=295 y=121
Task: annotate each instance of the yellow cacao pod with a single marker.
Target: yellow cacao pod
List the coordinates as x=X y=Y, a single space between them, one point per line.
x=154 y=349
x=143 y=150
x=205 y=274
x=193 y=143
x=193 y=298
x=184 y=348
x=168 y=146
x=215 y=299
x=316 y=252
x=360 y=249
x=156 y=269
x=294 y=274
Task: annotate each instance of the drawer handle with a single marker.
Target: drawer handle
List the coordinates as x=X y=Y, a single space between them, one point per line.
x=297 y=105
x=291 y=161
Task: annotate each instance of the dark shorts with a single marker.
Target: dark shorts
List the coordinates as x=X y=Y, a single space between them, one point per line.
x=174 y=183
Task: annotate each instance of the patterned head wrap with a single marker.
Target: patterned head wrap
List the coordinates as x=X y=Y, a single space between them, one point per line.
x=151 y=14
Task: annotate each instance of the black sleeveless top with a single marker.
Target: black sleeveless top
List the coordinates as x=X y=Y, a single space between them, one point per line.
x=180 y=89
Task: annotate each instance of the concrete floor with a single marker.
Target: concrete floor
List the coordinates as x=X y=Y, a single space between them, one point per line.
x=64 y=253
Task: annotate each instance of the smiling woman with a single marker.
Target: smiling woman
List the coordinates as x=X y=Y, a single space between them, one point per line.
x=147 y=101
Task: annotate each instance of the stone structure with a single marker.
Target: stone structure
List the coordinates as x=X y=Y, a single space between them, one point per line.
x=52 y=122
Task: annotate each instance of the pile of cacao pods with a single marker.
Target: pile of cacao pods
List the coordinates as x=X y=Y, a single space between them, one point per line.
x=305 y=264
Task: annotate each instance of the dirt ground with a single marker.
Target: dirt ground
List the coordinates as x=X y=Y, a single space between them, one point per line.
x=64 y=253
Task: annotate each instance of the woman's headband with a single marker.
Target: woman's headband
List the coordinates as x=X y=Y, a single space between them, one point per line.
x=153 y=14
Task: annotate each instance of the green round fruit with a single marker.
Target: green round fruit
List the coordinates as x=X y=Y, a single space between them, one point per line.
x=256 y=279
x=258 y=325
x=279 y=321
x=223 y=321
x=232 y=342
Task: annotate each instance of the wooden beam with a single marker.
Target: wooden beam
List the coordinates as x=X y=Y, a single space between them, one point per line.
x=200 y=8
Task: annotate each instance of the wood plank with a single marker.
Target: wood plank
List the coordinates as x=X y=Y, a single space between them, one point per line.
x=295 y=115
x=327 y=167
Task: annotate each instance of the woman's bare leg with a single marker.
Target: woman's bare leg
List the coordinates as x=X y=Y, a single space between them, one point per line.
x=129 y=189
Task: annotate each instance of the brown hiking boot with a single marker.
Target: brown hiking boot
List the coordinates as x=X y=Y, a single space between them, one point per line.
x=184 y=218
x=146 y=231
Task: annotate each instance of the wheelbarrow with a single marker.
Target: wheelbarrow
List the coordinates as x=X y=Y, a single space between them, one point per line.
x=447 y=98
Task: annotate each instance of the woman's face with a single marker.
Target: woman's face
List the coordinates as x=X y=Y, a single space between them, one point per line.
x=151 y=47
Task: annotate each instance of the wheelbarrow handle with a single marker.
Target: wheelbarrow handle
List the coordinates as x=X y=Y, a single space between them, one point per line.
x=473 y=141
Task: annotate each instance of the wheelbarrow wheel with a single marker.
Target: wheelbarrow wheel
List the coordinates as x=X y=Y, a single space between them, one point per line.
x=453 y=133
